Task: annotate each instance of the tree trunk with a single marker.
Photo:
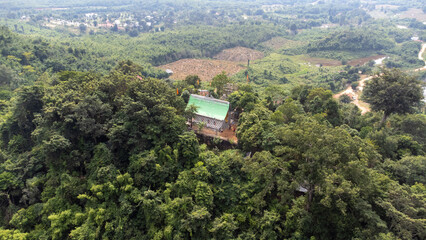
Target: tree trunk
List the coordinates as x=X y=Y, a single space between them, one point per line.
x=310 y=197
x=385 y=116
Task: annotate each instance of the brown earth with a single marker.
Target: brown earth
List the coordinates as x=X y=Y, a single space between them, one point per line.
x=206 y=69
x=362 y=61
x=414 y=13
x=355 y=95
x=332 y=62
x=239 y=54
x=227 y=134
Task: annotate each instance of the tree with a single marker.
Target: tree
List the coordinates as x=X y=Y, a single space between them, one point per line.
x=321 y=100
x=219 y=82
x=290 y=109
x=393 y=92
x=191 y=112
x=293 y=28
x=345 y=98
x=83 y=28
x=193 y=80
x=133 y=33
x=115 y=28
x=6 y=75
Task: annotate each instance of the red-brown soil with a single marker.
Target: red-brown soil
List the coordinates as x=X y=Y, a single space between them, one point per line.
x=362 y=61
x=227 y=134
x=206 y=69
x=239 y=54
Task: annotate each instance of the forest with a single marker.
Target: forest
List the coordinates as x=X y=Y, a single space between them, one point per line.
x=94 y=135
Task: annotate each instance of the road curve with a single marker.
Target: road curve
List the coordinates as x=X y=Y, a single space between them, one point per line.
x=355 y=95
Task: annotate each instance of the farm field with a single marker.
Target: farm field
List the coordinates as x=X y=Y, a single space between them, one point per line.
x=206 y=69
x=321 y=61
x=414 y=13
x=362 y=61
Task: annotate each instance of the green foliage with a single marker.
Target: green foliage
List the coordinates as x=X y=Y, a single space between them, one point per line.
x=290 y=109
x=271 y=69
x=243 y=100
x=345 y=98
x=219 y=81
x=408 y=170
x=393 y=92
x=193 y=80
x=360 y=39
x=405 y=56
x=12 y=234
x=104 y=154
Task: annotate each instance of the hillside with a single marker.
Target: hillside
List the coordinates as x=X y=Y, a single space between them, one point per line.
x=204 y=68
x=239 y=54
x=316 y=140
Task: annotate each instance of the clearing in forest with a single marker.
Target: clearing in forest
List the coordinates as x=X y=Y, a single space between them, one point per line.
x=279 y=42
x=322 y=61
x=355 y=95
x=206 y=69
x=362 y=61
x=239 y=54
x=414 y=13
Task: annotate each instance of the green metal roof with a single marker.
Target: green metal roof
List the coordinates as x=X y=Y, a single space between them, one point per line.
x=209 y=107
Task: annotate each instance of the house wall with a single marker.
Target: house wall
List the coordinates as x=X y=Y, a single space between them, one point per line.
x=211 y=122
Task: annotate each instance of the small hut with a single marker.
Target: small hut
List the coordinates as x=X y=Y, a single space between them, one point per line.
x=213 y=112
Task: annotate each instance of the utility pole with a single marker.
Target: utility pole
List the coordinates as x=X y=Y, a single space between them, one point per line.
x=248 y=67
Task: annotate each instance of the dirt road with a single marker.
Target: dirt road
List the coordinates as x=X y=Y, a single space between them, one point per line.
x=421 y=57
x=356 y=94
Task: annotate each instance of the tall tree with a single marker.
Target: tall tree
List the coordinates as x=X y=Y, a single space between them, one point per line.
x=393 y=91
x=219 y=82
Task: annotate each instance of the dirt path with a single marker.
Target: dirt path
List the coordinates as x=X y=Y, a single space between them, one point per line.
x=355 y=95
x=421 y=57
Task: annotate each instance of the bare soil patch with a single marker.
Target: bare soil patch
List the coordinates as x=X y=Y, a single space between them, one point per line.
x=227 y=134
x=239 y=54
x=414 y=13
x=322 y=61
x=355 y=95
x=362 y=61
x=206 y=69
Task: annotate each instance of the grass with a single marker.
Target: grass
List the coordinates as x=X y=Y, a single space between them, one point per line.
x=266 y=72
x=343 y=55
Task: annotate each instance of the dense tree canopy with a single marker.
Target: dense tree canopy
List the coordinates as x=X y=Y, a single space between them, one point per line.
x=96 y=143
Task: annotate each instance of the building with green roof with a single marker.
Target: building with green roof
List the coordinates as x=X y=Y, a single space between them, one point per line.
x=213 y=112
